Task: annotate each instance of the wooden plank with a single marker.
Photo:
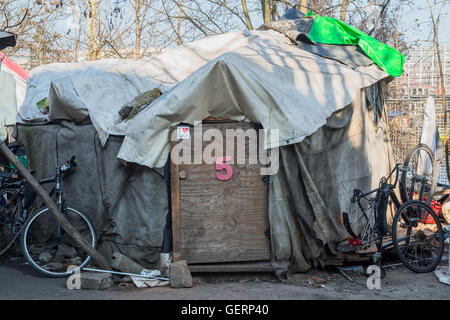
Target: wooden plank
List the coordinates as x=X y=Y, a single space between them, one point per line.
x=223 y=221
x=333 y=262
x=232 y=267
x=357 y=257
x=175 y=191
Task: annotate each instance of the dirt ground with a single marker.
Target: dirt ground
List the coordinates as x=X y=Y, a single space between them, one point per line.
x=19 y=281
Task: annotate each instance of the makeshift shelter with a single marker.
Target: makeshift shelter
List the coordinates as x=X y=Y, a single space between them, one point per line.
x=13 y=85
x=325 y=100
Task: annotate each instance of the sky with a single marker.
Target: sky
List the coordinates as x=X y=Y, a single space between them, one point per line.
x=417 y=22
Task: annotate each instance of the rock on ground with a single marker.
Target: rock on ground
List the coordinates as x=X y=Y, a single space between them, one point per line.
x=75 y=261
x=180 y=276
x=96 y=280
x=45 y=257
x=67 y=251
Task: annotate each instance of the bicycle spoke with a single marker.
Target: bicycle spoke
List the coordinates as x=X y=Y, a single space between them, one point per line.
x=419 y=250
x=47 y=246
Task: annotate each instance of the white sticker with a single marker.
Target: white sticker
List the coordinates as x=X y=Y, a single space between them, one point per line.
x=183 y=133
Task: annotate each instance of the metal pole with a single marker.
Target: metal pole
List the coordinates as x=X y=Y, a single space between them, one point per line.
x=125 y=274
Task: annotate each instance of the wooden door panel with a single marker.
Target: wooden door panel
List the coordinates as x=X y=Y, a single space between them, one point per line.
x=222 y=221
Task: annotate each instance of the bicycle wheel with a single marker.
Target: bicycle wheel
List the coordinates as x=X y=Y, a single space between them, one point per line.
x=418 y=236
x=10 y=207
x=49 y=249
x=419 y=183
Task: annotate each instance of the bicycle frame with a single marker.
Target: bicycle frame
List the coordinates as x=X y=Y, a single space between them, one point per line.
x=365 y=237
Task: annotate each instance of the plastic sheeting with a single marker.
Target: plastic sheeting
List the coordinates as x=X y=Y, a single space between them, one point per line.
x=127 y=205
x=12 y=92
x=8 y=102
x=329 y=30
x=428 y=136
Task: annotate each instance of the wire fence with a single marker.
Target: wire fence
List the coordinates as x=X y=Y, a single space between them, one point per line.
x=405 y=119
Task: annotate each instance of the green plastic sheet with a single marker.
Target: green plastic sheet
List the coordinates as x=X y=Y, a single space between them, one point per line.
x=328 y=30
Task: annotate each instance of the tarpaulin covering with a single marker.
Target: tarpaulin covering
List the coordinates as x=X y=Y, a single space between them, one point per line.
x=255 y=76
x=333 y=31
x=316 y=181
x=127 y=205
x=266 y=81
x=100 y=88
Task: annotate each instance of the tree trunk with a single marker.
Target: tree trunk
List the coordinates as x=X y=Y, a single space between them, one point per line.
x=247 y=16
x=138 y=29
x=441 y=75
x=180 y=16
x=303 y=6
x=344 y=10
x=77 y=42
x=265 y=6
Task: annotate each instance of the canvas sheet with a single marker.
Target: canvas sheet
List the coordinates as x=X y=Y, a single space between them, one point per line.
x=316 y=181
x=254 y=76
x=268 y=82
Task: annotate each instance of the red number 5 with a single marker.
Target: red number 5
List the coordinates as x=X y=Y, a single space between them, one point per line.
x=220 y=165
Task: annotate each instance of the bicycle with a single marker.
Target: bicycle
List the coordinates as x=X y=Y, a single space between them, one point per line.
x=45 y=245
x=417 y=234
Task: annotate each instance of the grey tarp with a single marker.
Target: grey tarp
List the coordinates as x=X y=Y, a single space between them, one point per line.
x=315 y=183
x=127 y=205
x=254 y=76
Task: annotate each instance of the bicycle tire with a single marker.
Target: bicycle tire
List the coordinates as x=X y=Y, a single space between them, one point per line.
x=8 y=212
x=26 y=251
x=405 y=210
x=403 y=184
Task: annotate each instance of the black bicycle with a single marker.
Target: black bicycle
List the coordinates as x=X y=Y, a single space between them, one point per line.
x=417 y=233
x=45 y=245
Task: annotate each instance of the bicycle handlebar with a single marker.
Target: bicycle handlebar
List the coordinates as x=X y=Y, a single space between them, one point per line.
x=67 y=168
x=398 y=168
x=70 y=165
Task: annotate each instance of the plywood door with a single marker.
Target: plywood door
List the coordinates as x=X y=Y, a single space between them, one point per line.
x=220 y=221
